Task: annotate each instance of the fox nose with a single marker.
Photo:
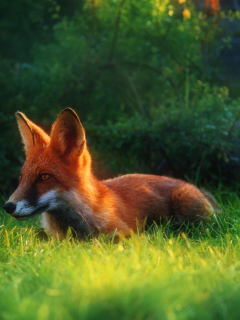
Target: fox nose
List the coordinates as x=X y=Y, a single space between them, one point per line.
x=9 y=207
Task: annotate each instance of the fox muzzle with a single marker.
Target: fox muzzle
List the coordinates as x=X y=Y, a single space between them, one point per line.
x=9 y=207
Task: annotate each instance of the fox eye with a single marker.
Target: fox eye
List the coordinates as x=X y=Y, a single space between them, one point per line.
x=45 y=176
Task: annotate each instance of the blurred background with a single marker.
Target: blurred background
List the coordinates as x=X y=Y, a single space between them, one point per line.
x=156 y=83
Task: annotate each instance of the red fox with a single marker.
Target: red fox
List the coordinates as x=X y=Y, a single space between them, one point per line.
x=57 y=182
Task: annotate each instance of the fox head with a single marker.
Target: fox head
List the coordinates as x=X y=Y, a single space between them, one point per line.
x=54 y=165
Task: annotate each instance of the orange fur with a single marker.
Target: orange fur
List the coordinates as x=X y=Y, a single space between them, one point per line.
x=72 y=197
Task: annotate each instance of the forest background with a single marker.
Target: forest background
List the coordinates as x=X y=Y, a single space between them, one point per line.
x=146 y=78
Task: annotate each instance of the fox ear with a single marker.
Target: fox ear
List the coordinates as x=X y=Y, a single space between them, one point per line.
x=32 y=135
x=68 y=135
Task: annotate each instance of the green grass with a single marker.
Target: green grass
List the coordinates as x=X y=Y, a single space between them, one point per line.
x=161 y=274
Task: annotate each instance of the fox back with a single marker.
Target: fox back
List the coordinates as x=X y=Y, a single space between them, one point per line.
x=56 y=181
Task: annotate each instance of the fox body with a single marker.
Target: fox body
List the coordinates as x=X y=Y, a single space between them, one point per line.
x=56 y=181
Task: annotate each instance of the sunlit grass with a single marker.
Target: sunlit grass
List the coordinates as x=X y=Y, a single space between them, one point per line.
x=161 y=274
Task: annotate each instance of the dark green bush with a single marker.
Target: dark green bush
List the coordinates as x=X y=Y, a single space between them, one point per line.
x=117 y=58
x=140 y=74
x=25 y=23
x=200 y=144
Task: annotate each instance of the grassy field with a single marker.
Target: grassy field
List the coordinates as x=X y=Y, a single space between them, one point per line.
x=161 y=274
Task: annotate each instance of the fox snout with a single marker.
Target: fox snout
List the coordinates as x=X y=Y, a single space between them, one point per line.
x=19 y=210
x=22 y=209
x=9 y=207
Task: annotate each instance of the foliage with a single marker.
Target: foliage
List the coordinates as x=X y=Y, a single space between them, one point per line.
x=24 y=23
x=199 y=143
x=140 y=75
x=119 y=57
x=162 y=274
